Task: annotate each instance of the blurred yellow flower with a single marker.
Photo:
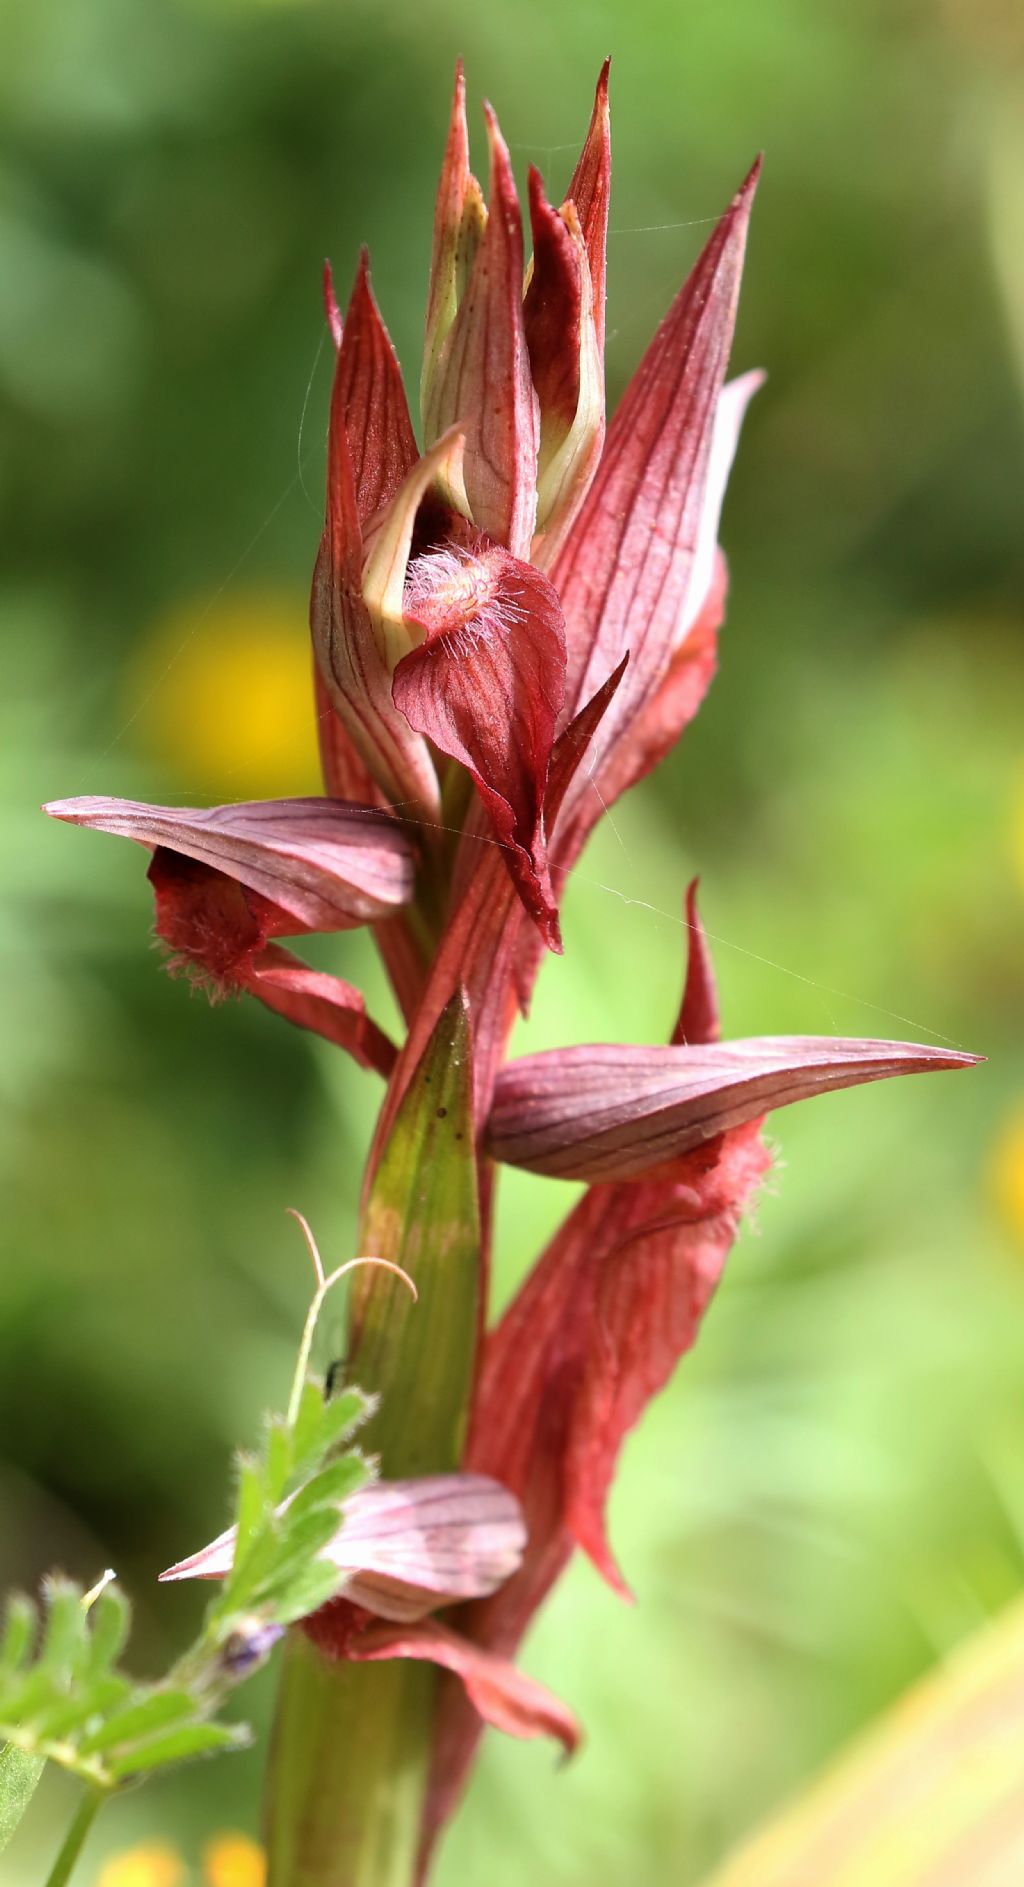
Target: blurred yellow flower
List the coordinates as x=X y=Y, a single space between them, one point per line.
x=153 y=1864
x=233 y=1861
x=1007 y=1174
x=222 y=694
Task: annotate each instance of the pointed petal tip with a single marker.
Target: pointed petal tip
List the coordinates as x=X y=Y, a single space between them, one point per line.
x=501 y=162
x=745 y=193
x=363 y=282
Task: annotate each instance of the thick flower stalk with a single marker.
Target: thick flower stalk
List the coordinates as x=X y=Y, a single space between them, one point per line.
x=513 y=621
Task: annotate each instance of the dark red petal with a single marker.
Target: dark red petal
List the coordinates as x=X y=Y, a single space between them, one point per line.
x=503 y=1696
x=624 y=575
x=370 y=399
x=698 y=1015
x=590 y=190
x=324 y=864
x=567 y=369
x=650 y=1294
x=324 y=1004
x=552 y=310
x=618 y=1113
x=212 y=925
x=482 y=382
x=488 y=694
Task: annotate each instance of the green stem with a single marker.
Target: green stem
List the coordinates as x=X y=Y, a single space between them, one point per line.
x=74 y=1841
x=352 y=1742
x=348 y=1767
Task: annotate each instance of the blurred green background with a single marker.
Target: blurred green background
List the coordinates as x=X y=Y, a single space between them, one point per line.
x=832 y=1492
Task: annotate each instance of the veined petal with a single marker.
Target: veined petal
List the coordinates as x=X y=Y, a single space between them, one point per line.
x=504 y=1697
x=324 y=864
x=655 y=729
x=486 y=686
x=650 y=1291
x=619 y=1113
x=370 y=399
x=370 y=448
x=566 y=365
x=413 y=1546
x=482 y=380
x=324 y=1004
x=409 y=1547
x=351 y=662
x=590 y=190
x=460 y=219
x=625 y=573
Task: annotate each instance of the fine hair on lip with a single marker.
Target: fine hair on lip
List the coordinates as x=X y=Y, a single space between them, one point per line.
x=462 y=589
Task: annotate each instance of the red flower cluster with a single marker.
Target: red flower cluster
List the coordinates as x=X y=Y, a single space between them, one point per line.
x=512 y=626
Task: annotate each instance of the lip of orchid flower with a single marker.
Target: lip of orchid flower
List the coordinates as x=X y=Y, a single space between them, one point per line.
x=618 y=1112
x=407 y=1547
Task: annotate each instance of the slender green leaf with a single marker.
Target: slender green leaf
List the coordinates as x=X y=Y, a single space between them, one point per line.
x=19 y=1774
x=138 y=1719
x=250 y=1503
x=308 y=1591
x=20 y=1627
x=109 y=1624
x=329 y=1488
x=303 y=1542
x=306 y=1442
x=178 y=1745
x=342 y=1415
x=89 y=1699
x=64 y=1634
x=250 y=1573
x=279 y=1458
x=20 y=1704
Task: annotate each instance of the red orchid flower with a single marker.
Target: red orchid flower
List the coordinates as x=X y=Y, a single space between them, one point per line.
x=511 y=627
